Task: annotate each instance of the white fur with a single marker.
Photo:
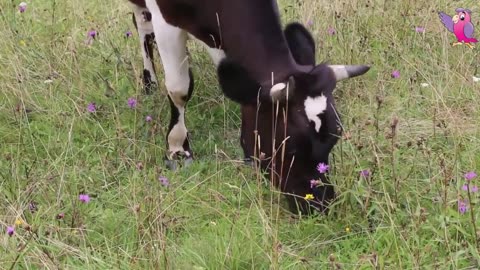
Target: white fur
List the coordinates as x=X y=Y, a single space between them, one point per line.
x=144 y=28
x=171 y=43
x=314 y=107
x=216 y=54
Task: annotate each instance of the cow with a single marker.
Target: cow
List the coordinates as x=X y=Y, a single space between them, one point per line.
x=289 y=121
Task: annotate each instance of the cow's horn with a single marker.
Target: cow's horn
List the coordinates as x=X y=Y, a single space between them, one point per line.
x=279 y=91
x=343 y=72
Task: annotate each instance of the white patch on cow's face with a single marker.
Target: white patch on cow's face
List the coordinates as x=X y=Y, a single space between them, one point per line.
x=314 y=107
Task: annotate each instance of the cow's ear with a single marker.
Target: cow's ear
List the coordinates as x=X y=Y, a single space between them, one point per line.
x=301 y=43
x=236 y=83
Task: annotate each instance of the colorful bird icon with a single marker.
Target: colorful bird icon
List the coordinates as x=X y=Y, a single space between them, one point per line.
x=461 y=26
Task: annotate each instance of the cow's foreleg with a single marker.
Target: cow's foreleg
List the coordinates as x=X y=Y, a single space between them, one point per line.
x=171 y=43
x=142 y=20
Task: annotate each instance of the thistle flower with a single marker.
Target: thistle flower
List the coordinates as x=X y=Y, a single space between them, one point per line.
x=128 y=34
x=148 y=118
x=462 y=206
x=331 y=31
x=84 y=198
x=22 y=7
x=32 y=206
x=91 y=107
x=470 y=175
x=395 y=74
x=164 y=181
x=92 y=34
x=314 y=183
x=365 y=173
x=10 y=230
x=322 y=167
x=60 y=216
x=420 y=29
x=132 y=103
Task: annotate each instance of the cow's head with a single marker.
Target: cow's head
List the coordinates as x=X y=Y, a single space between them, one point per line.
x=294 y=119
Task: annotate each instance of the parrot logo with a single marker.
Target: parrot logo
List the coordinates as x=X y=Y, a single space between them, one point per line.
x=461 y=26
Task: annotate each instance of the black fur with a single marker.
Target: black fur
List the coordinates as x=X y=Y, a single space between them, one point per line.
x=301 y=43
x=148 y=44
x=148 y=84
x=147 y=16
x=236 y=83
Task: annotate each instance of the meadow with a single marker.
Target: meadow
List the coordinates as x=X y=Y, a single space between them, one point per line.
x=89 y=190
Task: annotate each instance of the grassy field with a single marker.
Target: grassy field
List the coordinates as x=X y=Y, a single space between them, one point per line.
x=417 y=134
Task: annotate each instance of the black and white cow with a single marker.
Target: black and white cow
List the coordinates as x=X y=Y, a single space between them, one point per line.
x=289 y=122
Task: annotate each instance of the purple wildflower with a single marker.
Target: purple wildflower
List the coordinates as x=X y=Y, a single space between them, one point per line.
x=314 y=183
x=420 y=29
x=22 y=7
x=462 y=206
x=365 y=173
x=164 y=181
x=84 y=198
x=470 y=175
x=395 y=74
x=331 y=31
x=148 y=118
x=10 y=230
x=322 y=167
x=32 y=207
x=91 y=107
x=132 y=103
x=465 y=187
x=128 y=34
x=92 y=34
x=61 y=216
x=474 y=189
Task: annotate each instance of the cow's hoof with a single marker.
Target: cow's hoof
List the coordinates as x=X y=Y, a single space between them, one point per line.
x=171 y=164
x=248 y=162
x=177 y=160
x=187 y=162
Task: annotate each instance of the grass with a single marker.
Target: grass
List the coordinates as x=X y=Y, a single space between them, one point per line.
x=217 y=214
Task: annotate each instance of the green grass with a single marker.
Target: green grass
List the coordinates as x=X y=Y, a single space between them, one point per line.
x=218 y=214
